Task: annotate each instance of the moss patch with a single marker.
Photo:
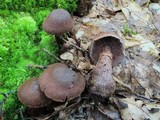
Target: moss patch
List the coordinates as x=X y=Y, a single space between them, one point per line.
x=21 y=42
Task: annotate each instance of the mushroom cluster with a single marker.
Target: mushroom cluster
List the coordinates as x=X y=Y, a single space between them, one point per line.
x=58 y=83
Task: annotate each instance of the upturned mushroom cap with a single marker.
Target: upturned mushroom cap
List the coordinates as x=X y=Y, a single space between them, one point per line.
x=113 y=41
x=60 y=83
x=59 y=21
x=29 y=93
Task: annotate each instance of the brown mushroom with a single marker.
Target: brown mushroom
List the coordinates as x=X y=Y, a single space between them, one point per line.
x=58 y=22
x=29 y=93
x=106 y=50
x=60 y=83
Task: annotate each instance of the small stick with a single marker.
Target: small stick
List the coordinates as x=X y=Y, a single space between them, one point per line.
x=74 y=37
x=21 y=114
x=37 y=66
x=58 y=59
x=2 y=102
x=72 y=44
x=48 y=52
x=1 y=107
x=143 y=97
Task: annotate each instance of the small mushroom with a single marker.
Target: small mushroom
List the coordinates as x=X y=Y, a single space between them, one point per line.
x=29 y=93
x=106 y=50
x=58 y=22
x=60 y=83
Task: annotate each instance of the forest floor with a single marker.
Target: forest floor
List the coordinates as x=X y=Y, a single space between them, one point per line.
x=137 y=77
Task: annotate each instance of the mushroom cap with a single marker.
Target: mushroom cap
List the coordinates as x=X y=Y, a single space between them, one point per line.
x=59 y=21
x=60 y=83
x=112 y=40
x=29 y=93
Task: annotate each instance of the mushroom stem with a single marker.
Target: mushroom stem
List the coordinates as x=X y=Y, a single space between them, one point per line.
x=103 y=83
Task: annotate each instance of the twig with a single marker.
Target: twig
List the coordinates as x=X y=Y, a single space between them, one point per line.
x=2 y=102
x=21 y=114
x=74 y=37
x=141 y=96
x=58 y=59
x=48 y=52
x=1 y=108
x=77 y=47
x=37 y=66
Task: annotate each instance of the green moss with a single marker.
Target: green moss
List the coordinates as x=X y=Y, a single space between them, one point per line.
x=32 y=5
x=26 y=24
x=39 y=16
x=70 y=5
x=21 y=44
x=128 y=31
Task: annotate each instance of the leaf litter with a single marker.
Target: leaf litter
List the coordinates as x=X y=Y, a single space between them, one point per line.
x=137 y=77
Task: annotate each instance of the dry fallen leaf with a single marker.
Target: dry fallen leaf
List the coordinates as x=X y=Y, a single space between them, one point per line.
x=145 y=44
x=68 y=55
x=141 y=2
x=138 y=110
x=109 y=111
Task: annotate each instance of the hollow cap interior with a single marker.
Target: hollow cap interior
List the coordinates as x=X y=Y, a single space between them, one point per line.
x=112 y=40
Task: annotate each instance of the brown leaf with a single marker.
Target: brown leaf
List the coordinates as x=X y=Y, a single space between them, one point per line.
x=109 y=111
x=141 y=2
